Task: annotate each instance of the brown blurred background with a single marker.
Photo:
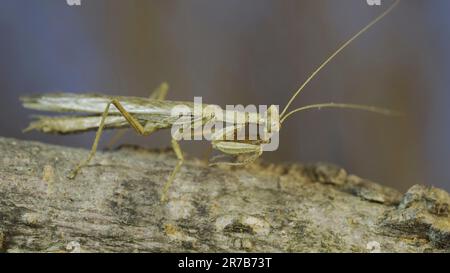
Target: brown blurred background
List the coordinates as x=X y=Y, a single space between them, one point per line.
x=249 y=52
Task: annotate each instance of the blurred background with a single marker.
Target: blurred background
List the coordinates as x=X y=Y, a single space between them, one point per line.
x=249 y=52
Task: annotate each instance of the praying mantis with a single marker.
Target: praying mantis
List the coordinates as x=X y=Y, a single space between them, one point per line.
x=148 y=115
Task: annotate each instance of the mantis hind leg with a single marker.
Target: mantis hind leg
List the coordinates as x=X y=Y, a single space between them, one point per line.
x=131 y=120
x=83 y=163
x=160 y=93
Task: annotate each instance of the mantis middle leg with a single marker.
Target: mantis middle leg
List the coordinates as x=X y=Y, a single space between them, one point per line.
x=177 y=149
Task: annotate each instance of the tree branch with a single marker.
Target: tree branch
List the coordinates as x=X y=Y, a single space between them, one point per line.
x=114 y=206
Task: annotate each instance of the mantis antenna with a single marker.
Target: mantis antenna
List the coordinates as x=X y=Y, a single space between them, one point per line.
x=319 y=106
x=329 y=59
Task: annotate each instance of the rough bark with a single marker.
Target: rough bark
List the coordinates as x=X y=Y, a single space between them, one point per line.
x=114 y=206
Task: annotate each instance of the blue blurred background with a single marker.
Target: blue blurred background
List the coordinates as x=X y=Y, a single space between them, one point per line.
x=249 y=52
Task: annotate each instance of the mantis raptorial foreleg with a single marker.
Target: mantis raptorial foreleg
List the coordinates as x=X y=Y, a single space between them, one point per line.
x=160 y=93
x=237 y=148
x=231 y=147
x=131 y=120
